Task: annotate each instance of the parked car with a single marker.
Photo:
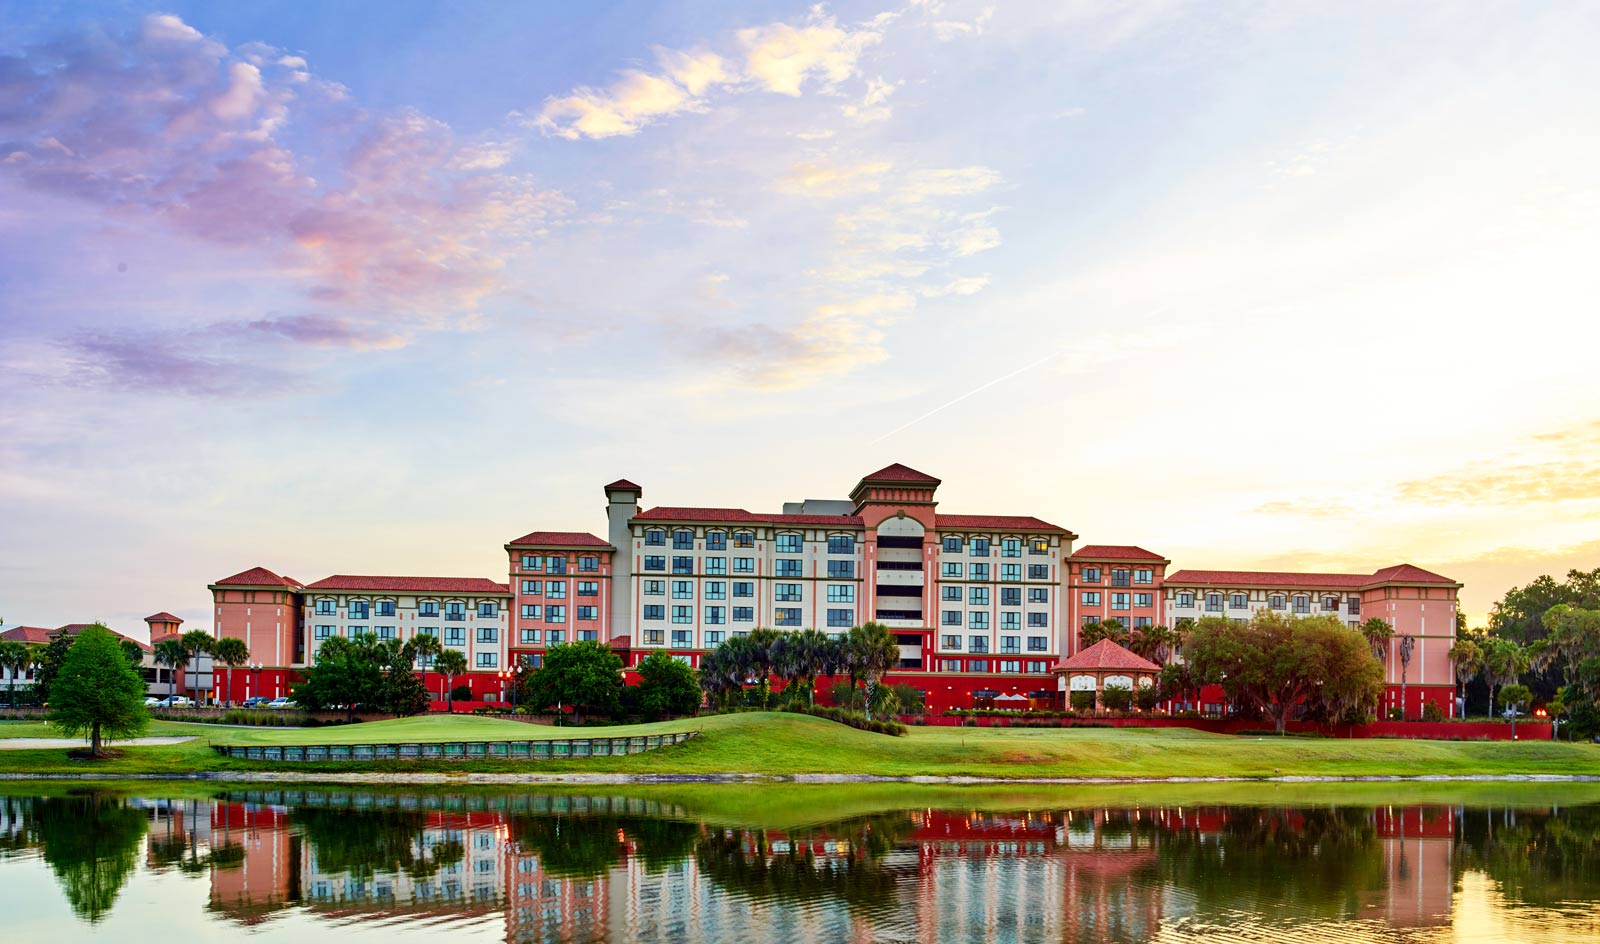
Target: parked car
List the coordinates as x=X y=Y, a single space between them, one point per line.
x=281 y=703
x=176 y=701
x=1510 y=712
x=255 y=701
x=152 y=702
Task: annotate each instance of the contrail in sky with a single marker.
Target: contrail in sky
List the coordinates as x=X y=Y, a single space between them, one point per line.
x=974 y=391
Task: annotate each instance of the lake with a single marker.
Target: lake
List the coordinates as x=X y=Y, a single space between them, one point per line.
x=860 y=863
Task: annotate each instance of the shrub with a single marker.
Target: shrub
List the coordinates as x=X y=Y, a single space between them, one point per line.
x=1395 y=714
x=461 y=693
x=1147 y=698
x=1432 y=712
x=854 y=719
x=1117 y=697
x=1083 y=701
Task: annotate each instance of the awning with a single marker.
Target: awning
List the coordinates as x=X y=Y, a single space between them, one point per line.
x=1012 y=698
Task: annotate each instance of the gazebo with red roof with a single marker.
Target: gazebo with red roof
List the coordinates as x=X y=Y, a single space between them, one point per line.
x=1105 y=663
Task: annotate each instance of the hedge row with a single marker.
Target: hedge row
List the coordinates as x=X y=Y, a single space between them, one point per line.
x=854 y=719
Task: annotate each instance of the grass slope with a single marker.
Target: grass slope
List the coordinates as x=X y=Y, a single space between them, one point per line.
x=781 y=744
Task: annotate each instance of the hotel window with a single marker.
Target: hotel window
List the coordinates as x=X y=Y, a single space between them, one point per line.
x=841 y=593
x=1185 y=599
x=1141 y=622
x=978 y=643
x=1353 y=606
x=1214 y=602
x=1330 y=604
x=488 y=634
x=949 y=665
x=978 y=620
x=1039 y=546
x=360 y=609
x=455 y=635
x=1091 y=598
x=744 y=588
x=354 y=631
x=589 y=565
x=325 y=607
x=532 y=562
x=488 y=610
x=652 y=562
x=744 y=539
x=786 y=592
x=787 y=616
x=714 y=637
x=951 y=618
x=683 y=540
x=978 y=596
x=1010 y=644
x=530 y=611
x=1038 y=595
x=1010 y=596
x=682 y=637
x=655 y=588
x=1302 y=604
x=1038 y=571
x=1276 y=601
x=840 y=618
x=788 y=542
x=716 y=540
x=385 y=607
x=1091 y=575
x=655 y=611
x=950 y=642
x=683 y=565
x=588 y=588
x=588 y=635
x=555 y=565
x=555 y=589
x=980 y=547
x=1038 y=668
x=1143 y=599
x=683 y=614
x=1038 y=620
x=1144 y=576
x=530 y=637
x=951 y=570
x=744 y=614
x=683 y=589
x=1010 y=572
x=952 y=544
x=716 y=590
x=655 y=637
x=655 y=537
x=841 y=570
x=716 y=565
x=455 y=611
x=841 y=544
x=428 y=631
x=555 y=614
x=1038 y=643
x=787 y=567
x=555 y=637
x=323 y=632
x=532 y=588
x=1011 y=547
x=1010 y=665
x=488 y=660
x=1119 y=601
x=1119 y=578
x=716 y=615
x=588 y=612
x=744 y=565
x=950 y=594
x=977 y=665
x=1238 y=601
x=978 y=572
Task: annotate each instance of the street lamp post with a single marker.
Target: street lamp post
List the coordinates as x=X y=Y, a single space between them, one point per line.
x=255 y=670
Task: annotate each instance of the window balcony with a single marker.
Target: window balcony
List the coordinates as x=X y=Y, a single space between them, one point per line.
x=899 y=565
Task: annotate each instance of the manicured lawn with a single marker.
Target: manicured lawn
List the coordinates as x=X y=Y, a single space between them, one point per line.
x=779 y=744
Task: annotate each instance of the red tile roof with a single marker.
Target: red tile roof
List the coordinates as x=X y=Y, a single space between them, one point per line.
x=740 y=516
x=1400 y=573
x=1099 y=552
x=479 y=585
x=162 y=617
x=561 y=539
x=624 y=483
x=28 y=634
x=621 y=642
x=256 y=577
x=996 y=522
x=1106 y=654
x=1409 y=573
x=900 y=473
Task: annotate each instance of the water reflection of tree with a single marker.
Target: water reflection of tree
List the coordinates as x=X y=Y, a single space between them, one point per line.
x=367 y=842
x=1299 y=862
x=742 y=862
x=1538 y=857
x=584 y=846
x=92 y=844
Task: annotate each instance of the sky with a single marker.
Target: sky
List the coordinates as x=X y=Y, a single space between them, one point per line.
x=375 y=288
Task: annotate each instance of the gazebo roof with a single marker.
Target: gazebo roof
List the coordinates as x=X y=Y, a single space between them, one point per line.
x=1106 y=654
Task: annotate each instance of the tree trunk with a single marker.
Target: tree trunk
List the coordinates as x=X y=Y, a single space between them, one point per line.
x=94 y=739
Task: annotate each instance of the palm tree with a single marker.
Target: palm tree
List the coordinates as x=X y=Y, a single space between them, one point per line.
x=15 y=658
x=797 y=658
x=171 y=653
x=877 y=652
x=450 y=663
x=1504 y=662
x=198 y=642
x=1378 y=633
x=232 y=652
x=1466 y=658
x=1154 y=642
x=426 y=648
x=1097 y=630
x=1408 y=642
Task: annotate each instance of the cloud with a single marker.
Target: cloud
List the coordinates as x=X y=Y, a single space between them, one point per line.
x=1564 y=466
x=324 y=331
x=830 y=180
x=872 y=106
x=782 y=58
x=968 y=285
x=158 y=362
x=623 y=108
x=836 y=338
x=1306 y=508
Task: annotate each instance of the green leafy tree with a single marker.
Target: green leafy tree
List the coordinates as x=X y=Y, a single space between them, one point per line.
x=171 y=653
x=1147 y=697
x=1178 y=682
x=666 y=686
x=450 y=663
x=1516 y=698
x=1116 y=697
x=48 y=662
x=232 y=652
x=1082 y=700
x=1348 y=684
x=403 y=691
x=98 y=693
x=345 y=674
x=1520 y=616
x=1274 y=662
x=585 y=675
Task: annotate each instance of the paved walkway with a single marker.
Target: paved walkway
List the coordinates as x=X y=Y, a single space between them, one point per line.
x=30 y=744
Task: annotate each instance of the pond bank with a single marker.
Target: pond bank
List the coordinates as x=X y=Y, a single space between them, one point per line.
x=611 y=779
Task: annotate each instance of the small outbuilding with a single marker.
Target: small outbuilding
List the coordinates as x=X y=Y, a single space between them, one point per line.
x=1104 y=664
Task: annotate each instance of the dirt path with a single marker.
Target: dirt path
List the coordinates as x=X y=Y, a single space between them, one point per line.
x=29 y=744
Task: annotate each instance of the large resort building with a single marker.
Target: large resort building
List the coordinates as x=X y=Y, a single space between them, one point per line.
x=982 y=605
